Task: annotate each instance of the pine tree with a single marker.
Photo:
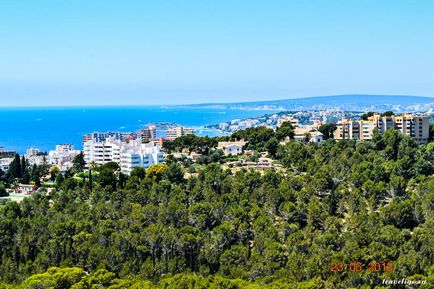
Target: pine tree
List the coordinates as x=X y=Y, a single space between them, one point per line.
x=15 y=167
x=34 y=175
x=25 y=179
x=23 y=166
x=79 y=163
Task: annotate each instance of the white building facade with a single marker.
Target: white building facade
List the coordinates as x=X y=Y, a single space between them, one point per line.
x=232 y=147
x=63 y=156
x=127 y=154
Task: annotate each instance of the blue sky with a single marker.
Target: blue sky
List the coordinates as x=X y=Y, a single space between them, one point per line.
x=160 y=52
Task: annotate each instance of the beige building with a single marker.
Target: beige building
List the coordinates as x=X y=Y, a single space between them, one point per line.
x=308 y=134
x=414 y=126
x=295 y=123
x=179 y=131
x=149 y=133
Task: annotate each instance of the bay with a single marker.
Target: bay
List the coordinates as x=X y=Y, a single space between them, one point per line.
x=22 y=128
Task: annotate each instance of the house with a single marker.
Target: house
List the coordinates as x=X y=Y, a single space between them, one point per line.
x=194 y=156
x=316 y=136
x=5 y=164
x=26 y=189
x=308 y=134
x=232 y=147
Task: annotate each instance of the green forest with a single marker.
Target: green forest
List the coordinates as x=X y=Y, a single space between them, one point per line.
x=197 y=225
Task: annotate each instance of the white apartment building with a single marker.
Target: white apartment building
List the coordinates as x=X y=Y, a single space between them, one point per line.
x=136 y=154
x=102 y=151
x=127 y=154
x=63 y=156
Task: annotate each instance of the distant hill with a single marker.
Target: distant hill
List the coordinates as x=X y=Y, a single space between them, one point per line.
x=353 y=102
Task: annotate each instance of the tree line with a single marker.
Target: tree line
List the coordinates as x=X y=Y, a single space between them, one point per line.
x=162 y=228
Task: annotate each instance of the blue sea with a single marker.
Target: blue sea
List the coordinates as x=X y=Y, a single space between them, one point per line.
x=22 y=128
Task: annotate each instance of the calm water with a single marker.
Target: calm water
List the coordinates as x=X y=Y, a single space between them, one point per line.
x=21 y=128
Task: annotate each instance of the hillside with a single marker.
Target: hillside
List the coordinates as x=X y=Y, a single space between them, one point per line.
x=354 y=102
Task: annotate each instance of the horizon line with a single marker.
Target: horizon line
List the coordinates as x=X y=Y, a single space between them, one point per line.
x=202 y=103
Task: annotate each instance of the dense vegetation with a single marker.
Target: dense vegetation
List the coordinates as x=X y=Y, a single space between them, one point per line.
x=336 y=201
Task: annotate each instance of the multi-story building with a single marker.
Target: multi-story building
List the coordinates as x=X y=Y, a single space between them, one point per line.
x=32 y=152
x=101 y=136
x=149 y=133
x=295 y=123
x=101 y=151
x=179 y=131
x=34 y=156
x=6 y=154
x=127 y=154
x=63 y=156
x=136 y=154
x=414 y=126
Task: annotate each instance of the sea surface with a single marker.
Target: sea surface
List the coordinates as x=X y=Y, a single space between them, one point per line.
x=43 y=128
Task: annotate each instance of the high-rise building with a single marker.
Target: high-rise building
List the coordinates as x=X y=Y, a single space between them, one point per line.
x=414 y=126
x=32 y=152
x=179 y=131
x=127 y=154
x=136 y=154
x=149 y=133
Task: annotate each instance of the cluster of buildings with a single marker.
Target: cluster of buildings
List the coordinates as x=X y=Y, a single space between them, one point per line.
x=101 y=148
x=304 y=133
x=269 y=121
x=415 y=126
x=129 y=150
x=274 y=120
x=144 y=148
x=149 y=133
x=6 y=158
x=63 y=156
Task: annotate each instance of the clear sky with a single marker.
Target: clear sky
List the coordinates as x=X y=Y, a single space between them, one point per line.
x=62 y=52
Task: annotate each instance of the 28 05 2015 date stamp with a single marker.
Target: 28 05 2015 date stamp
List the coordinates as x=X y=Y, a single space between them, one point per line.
x=359 y=266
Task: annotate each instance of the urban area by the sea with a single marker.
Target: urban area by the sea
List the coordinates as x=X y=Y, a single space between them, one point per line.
x=136 y=137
